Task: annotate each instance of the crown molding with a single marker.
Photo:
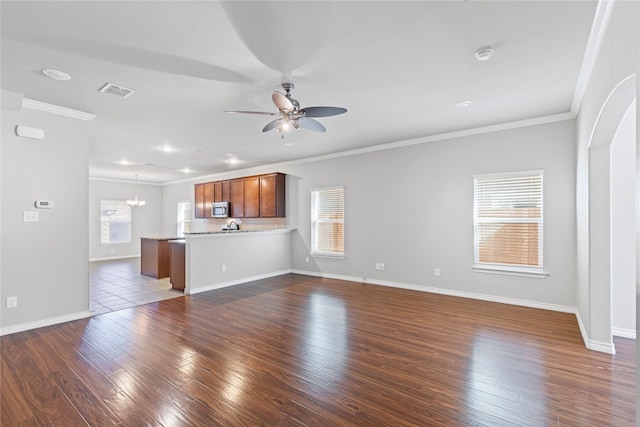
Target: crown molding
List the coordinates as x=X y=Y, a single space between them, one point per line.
x=55 y=109
x=596 y=36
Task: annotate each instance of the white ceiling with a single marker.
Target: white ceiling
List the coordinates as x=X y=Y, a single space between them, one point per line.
x=398 y=67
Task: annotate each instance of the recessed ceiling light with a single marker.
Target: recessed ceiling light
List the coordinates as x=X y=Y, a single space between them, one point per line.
x=149 y=164
x=123 y=162
x=464 y=104
x=232 y=161
x=288 y=144
x=56 y=74
x=167 y=149
x=484 y=54
x=201 y=150
x=186 y=170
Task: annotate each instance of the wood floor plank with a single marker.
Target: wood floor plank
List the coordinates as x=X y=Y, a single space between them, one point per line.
x=296 y=350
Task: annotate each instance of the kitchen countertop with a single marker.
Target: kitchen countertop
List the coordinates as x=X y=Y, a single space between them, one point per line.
x=218 y=233
x=160 y=238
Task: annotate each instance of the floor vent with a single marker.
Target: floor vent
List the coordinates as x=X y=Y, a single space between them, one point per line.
x=116 y=90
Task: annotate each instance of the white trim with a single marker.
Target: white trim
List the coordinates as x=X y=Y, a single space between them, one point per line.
x=442 y=291
x=109 y=258
x=509 y=271
x=608 y=348
x=391 y=145
x=596 y=36
x=128 y=181
x=624 y=333
x=215 y=286
x=328 y=256
x=44 y=322
x=55 y=109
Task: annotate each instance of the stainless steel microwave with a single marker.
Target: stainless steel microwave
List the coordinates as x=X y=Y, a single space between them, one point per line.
x=220 y=210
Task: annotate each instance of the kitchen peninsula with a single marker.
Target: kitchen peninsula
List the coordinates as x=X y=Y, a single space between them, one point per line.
x=219 y=259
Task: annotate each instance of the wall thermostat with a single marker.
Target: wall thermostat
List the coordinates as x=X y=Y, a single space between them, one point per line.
x=44 y=204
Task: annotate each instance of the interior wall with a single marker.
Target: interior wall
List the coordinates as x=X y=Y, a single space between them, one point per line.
x=412 y=209
x=44 y=263
x=623 y=256
x=146 y=221
x=617 y=60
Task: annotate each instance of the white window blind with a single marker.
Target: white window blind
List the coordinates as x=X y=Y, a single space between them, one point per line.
x=115 y=222
x=508 y=221
x=327 y=221
x=184 y=218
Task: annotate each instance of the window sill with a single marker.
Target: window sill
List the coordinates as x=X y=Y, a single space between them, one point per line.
x=510 y=271
x=330 y=256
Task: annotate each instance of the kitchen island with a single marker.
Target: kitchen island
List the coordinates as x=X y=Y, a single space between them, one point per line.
x=216 y=260
x=154 y=256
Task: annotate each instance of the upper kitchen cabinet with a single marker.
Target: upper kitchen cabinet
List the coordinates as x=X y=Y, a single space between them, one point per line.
x=199 y=200
x=236 y=198
x=272 y=195
x=208 y=198
x=259 y=196
x=252 y=197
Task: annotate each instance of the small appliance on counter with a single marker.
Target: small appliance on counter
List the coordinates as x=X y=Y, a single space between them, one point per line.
x=220 y=210
x=232 y=226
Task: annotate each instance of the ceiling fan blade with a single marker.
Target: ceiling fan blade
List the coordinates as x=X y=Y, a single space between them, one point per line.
x=271 y=125
x=282 y=102
x=251 y=112
x=322 y=111
x=311 y=124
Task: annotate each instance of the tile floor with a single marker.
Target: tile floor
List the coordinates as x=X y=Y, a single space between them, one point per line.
x=118 y=284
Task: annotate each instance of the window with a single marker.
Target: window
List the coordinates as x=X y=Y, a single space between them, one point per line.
x=327 y=222
x=184 y=218
x=508 y=226
x=115 y=222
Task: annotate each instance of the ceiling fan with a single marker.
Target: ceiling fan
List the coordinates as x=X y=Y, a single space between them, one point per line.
x=291 y=115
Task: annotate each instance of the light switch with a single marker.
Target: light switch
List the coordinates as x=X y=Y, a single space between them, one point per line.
x=31 y=216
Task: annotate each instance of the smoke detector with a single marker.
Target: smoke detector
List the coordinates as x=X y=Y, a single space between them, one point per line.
x=484 y=54
x=117 y=90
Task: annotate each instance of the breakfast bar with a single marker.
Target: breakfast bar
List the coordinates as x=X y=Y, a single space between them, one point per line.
x=216 y=260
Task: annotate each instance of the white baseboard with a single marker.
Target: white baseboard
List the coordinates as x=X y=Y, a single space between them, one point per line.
x=214 y=286
x=111 y=258
x=44 y=322
x=590 y=344
x=454 y=293
x=624 y=333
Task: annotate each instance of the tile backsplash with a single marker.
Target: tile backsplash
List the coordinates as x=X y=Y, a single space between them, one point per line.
x=199 y=225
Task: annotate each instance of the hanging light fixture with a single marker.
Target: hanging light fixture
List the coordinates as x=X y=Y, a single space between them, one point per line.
x=135 y=202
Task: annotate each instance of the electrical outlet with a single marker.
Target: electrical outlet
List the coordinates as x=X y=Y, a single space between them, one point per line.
x=436 y=272
x=12 y=302
x=31 y=216
x=223 y=268
x=377 y=266
x=382 y=266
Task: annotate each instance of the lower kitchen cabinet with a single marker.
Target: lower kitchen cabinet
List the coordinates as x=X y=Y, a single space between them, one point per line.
x=177 y=256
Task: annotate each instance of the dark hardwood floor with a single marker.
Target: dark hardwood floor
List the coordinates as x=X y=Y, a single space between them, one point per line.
x=296 y=350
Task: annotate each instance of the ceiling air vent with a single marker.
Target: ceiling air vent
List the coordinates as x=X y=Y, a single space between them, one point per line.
x=116 y=90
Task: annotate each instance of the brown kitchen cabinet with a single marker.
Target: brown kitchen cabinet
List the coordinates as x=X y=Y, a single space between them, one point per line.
x=217 y=192
x=177 y=257
x=199 y=200
x=252 y=197
x=236 y=198
x=208 y=198
x=154 y=257
x=259 y=196
x=272 y=195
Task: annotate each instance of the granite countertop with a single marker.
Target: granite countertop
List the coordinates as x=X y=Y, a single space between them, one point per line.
x=159 y=238
x=274 y=230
